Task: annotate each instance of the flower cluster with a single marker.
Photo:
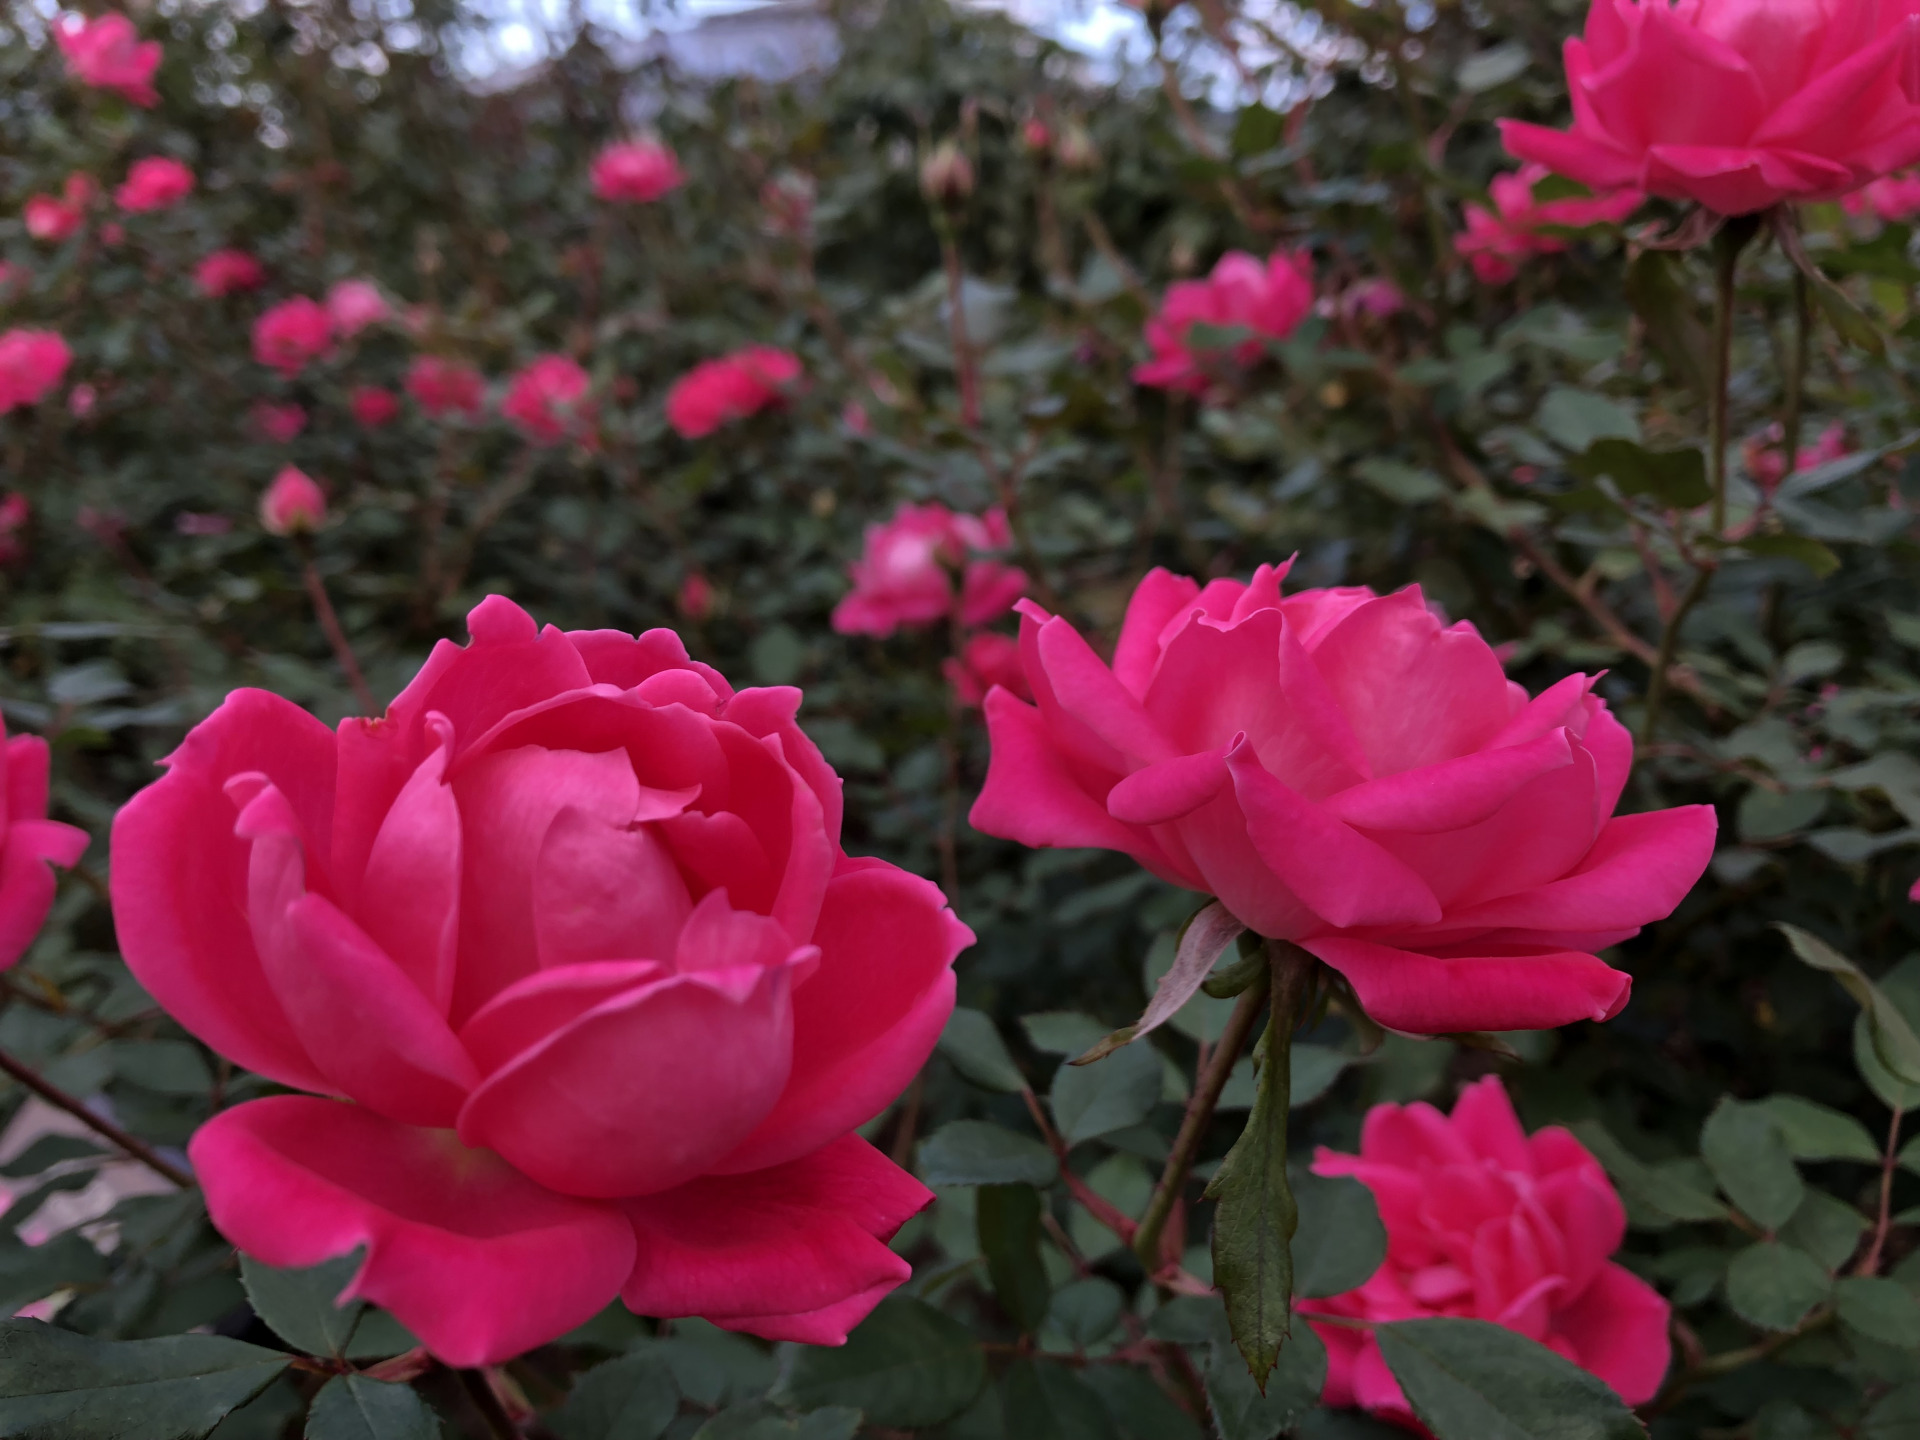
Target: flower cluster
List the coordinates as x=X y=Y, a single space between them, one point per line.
x=1496 y=241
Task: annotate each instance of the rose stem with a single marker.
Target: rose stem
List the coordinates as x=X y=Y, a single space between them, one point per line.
x=330 y=626
x=134 y=1146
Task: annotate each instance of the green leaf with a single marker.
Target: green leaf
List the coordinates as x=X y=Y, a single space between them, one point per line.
x=973 y=1045
x=33 y=1272
x=300 y=1305
x=355 y=1407
x=1140 y=1409
x=1575 y=419
x=1098 y=1099
x=1045 y=1401
x=1744 y=1147
x=48 y=1151
x=1062 y=1032
x=1774 y=814
x=1880 y=1309
x=1257 y=129
x=1826 y=1228
x=1203 y=940
x=55 y=1385
x=1774 y=1286
x=1008 y=1217
x=1655 y=1190
x=1819 y=1132
x=1676 y=478
x=632 y=1397
x=1894 y=1041
x=1313 y=1069
x=1493 y=66
x=907 y=1366
x=1666 y=307
x=1340 y=1242
x=1239 y=1408
x=1087 y=1311
x=978 y=1152
x=1190 y=1320
x=1849 y=321
x=1895 y=1416
x=1809 y=552
x=1403 y=484
x=1895 y=1092
x=757 y=1420
x=1472 y=1380
x=1254 y=1222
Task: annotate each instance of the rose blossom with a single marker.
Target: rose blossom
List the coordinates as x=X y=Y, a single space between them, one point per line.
x=1269 y=299
x=1736 y=104
x=15 y=512
x=636 y=170
x=986 y=660
x=904 y=575
x=29 y=842
x=587 y=995
x=50 y=218
x=32 y=362
x=108 y=54
x=1342 y=770
x=372 y=406
x=444 y=387
x=695 y=600
x=228 y=272
x=548 y=400
x=155 y=183
x=1486 y=1222
x=294 y=504
x=1766 y=466
x=1495 y=243
x=81 y=400
x=292 y=333
x=355 y=304
x=1893 y=197
x=729 y=388
x=280 y=423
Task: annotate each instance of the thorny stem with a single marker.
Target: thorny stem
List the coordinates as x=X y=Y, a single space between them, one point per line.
x=1193 y=1125
x=950 y=788
x=1727 y=246
x=1870 y=1262
x=55 y=1096
x=1797 y=373
x=330 y=627
x=963 y=357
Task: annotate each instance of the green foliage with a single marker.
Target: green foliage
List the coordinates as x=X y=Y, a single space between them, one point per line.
x=1468 y=1380
x=354 y=1407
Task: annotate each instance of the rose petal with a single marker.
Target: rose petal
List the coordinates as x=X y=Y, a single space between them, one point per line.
x=1429 y=995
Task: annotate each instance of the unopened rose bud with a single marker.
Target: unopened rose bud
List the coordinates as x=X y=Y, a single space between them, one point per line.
x=1035 y=136
x=696 y=596
x=293 y=504
x=946 y=176
x=1075 y=149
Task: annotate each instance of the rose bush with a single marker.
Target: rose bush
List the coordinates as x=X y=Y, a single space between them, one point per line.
x=1343 y=770
x=1488 y=1222
x=585 y=994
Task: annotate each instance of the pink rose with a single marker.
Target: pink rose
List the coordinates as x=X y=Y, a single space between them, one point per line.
x=32 y=362
x=444 y=387
x=906 y=570
x=587 y=995
x=549 y=402
x=292 y=333
x=51 y=219
x=1736 y=104
x=29 y=842
x=1343 y=770
x=280 y=423
x=1269 y=299
x=1485 y=1222
x=355 y=304
x=1893 y=197
x=294 y=504
x=155 y=183
x=373 y=406
x=695 y=600
x=108 y=54
x=228 y=272
x=1495 y=243
x=730 y=388
x=986 y=660
x=1374 y=299
x=636 y=170
x=1767 y=467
